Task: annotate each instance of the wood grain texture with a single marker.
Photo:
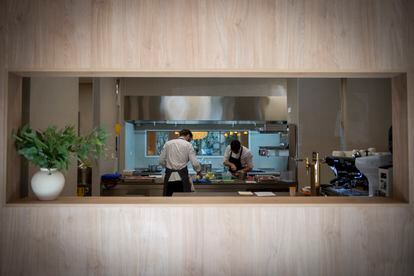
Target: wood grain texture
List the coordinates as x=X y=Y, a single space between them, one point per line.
x=182 y=36
x=400 y=138
x=3 y=101
x=178 y=34
x=14 y=121
x=410 y=112
x=207 y=241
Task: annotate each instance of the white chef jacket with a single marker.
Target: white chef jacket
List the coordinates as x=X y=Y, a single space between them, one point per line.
x=246 y=158
x=176 y=154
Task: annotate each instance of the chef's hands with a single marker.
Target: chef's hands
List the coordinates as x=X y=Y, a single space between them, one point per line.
x=239 y=172
x=233 y=167
x=199 y=175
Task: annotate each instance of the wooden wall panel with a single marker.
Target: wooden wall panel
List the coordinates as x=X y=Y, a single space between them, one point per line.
x=410 y=96
x=284 y=36
x=3 y=99
x=53 y=34
x=410 y=131
x=208 y=241
x=400 y=137
x=196 y=34
x=14 y=121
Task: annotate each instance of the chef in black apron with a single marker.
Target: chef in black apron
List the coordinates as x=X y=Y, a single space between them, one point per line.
x=236 y=161
x=184 y=185
x=240 y=163
x=175 y=156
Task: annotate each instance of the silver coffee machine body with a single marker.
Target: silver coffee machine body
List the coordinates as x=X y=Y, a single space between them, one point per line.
x=385 y=181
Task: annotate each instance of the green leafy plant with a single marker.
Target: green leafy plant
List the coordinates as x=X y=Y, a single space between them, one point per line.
x=49 y=149
x=89 y=147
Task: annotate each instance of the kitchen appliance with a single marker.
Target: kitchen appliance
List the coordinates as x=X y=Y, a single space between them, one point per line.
x=157 y=108
x=385 y=180
x=369 y=166
x=347 y=176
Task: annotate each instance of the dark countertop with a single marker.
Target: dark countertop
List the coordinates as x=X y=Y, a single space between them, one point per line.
x=214 y=182
x=151 y=188
x=227 y=194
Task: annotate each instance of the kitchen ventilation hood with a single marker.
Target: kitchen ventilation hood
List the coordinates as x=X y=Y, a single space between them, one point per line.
x=157 y=108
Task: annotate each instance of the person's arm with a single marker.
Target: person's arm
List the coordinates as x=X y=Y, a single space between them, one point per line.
x=226 y=159
x=163 y=157
x=194 y=162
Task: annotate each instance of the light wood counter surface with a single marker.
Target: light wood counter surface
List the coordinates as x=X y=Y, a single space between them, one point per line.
x=216 y=201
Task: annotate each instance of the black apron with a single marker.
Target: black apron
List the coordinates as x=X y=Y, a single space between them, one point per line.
x=184 y=179
x=236 y=161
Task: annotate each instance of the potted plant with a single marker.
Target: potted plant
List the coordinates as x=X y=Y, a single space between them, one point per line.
x=88 y=148
x=51 y=151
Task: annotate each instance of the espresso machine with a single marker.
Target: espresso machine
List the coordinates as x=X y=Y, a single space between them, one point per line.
x=348 y=179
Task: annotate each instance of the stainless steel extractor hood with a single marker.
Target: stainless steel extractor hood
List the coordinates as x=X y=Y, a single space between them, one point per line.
x=264 y=108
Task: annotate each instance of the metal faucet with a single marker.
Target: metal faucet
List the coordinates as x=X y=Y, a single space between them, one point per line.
x=313 y=168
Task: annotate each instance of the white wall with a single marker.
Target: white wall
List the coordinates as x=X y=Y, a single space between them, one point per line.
x=85 y=108
x=369 y=99
x=105 y=116
x=108 y=119
x=292 y=101
x=54 y=101
x=318 y=105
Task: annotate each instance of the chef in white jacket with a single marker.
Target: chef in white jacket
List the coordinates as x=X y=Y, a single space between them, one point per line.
x=175 y=156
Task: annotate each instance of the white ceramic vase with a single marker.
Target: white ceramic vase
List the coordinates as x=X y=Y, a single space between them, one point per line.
x=47 y=184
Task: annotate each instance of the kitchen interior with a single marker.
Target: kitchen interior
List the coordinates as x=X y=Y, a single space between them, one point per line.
x=308 y=136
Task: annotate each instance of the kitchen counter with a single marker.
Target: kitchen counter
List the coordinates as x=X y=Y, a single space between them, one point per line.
x=214 y=201
x=154 y=187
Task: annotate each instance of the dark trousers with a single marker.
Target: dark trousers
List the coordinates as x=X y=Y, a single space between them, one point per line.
x=174 y=186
